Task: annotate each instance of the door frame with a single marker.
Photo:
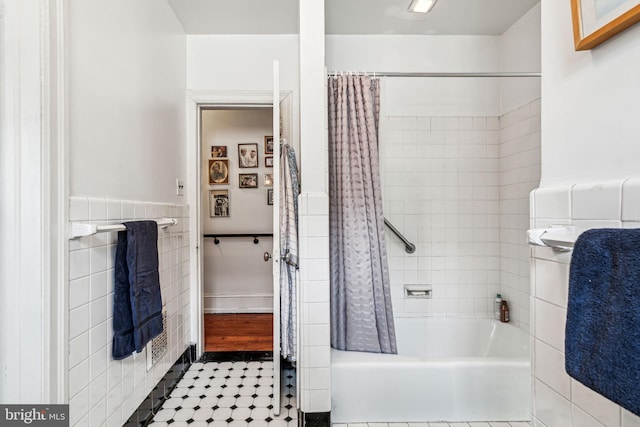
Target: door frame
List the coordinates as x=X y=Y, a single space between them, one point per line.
x=34 y=200
x=196 y=101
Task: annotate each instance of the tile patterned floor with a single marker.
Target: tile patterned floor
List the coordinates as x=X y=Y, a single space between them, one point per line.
x=467 y=424
x=229 y=394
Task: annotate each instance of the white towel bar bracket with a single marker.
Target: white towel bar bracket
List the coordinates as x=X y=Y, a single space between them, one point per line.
x=560 y=238
x=79 y=229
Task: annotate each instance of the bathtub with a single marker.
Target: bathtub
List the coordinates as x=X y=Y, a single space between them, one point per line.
x=446 y=369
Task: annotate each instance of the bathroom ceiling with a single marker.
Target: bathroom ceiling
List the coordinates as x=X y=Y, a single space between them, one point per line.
x=462 y=17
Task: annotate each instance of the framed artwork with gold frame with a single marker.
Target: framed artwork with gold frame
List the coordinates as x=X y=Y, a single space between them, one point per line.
x=596 y=21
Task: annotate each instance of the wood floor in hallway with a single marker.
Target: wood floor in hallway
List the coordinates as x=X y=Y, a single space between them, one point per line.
x=238 y=332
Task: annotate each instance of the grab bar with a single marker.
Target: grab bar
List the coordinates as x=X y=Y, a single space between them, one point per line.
x=254 y=235
x=560 y=238
x=408 y=246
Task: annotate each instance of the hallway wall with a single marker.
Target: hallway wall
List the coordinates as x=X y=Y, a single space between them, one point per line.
x=236 y=278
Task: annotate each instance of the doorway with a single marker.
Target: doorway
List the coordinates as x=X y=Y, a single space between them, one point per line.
x=237 y=225
x=281 y=106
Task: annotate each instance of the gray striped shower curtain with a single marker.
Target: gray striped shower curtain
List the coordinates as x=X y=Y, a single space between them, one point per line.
x=361 y=312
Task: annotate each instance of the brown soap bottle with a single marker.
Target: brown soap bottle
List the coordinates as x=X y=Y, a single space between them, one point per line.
x=504 y=311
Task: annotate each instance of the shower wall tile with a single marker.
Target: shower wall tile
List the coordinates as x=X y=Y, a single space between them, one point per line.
x=519 y=157
x=458 y=188
x=102 y=389
x=587 y=205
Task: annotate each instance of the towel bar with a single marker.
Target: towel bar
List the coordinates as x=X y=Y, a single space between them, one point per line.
x=79 y=229
x=561 y=238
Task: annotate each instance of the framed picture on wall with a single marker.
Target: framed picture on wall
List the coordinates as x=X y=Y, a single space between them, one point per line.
x=248 y=155
x=218 y=151
x=219 y=203
x=268 y=145
x=270 y=197
x=218 y=171
x=268 y=162
x=596 y=21
x=268 y=179
x=248 y=180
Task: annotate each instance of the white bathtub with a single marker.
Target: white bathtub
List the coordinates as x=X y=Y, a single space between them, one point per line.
x=445 y=370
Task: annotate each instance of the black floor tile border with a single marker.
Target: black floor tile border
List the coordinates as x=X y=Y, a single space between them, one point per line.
x=153 y=402
x=314 y=419
x=236 y=356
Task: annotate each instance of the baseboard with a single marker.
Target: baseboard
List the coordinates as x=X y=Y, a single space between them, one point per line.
x=314 y=419
x=237 y=310
x=236 y=356
x=238 y=303
x=153 y=402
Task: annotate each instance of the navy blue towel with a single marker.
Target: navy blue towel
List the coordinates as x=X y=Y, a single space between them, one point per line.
x=602 y=345
x=137 y=307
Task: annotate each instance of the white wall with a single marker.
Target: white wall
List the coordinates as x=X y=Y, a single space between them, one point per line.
x=424 y=96
x=126 y=109
x=588 y=150
x=236 y=278
x=520 y=51
x=589 y=103
x=245 y=63
x=314 y=370
x=126 y=99
x=411 y=53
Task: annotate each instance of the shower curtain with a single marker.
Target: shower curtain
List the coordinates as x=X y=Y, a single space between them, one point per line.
x=289 y=190
x=361 y=312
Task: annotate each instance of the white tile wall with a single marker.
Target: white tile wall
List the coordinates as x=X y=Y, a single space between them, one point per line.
x=314 y=373
x=458 y=187
x=519 y=174
x=440 y=179
x=560 y=401
x=104 y=391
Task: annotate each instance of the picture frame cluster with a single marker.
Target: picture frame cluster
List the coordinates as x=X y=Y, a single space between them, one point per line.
x=221 y=165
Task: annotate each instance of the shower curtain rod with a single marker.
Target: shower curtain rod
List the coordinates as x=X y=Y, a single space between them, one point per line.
x=434 y=74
